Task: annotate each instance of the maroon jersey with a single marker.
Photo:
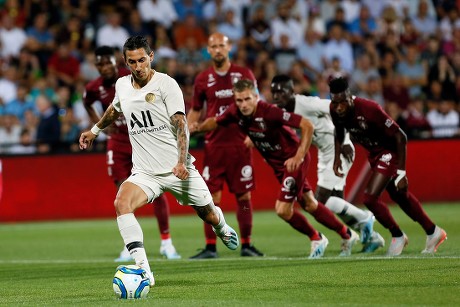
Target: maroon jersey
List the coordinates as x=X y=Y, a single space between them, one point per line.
x=268 y=130
x=369 y=126
x=103 y=91
x=217 y=92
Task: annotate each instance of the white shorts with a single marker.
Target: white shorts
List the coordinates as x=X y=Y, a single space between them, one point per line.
x=327 y=178
x=192 y=191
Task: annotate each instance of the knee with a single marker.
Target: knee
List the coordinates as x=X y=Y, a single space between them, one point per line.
x=243 y=197
x=121 y=206
x=284 y=212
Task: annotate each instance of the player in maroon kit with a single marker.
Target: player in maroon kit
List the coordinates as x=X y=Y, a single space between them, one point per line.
x=269 y=129
x=226 y=157
x=371 y=127
x=119 y=149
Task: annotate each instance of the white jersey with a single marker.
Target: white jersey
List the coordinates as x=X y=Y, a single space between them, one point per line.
x=316 y=110
x=148 y=111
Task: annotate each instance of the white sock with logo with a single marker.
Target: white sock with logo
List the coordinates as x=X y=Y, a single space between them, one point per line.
x=133 y=237
x=345 y=209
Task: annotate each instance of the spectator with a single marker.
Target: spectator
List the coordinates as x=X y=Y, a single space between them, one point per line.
x=413 y=71
x=431 y=52
x=417 y=125
x=444 y=120
x=16 y=11
x=40 y=39
x=49 y=126
x=338 y=47
x=373 y=90
x=363 y=25
x=158 y=12
x=10 y=132
x=284 y=24
x=443 y=72
x=424 y=23
x=25 y=145
x=310 y=53
x=363 y=72
x=12 y=39
x=397 y=92
x=28 y=66
x=231 y=27
x=8 y=86
x=258 y=33
x=21 y=103
x=351 y=9
x=328 y=9
x=190 y=53
x=284 y=55
x=189 y=27
x=135 y=25
x=185 y=8
x=63 y=66
x=112 y=33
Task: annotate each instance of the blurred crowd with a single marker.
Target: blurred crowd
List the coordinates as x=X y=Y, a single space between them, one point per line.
x=404 y=54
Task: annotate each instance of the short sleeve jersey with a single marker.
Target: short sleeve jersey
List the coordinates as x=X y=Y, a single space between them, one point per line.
x=215 y=91
x=269 y=130
x=148 y=111
x=369 y=126
x=99 y=90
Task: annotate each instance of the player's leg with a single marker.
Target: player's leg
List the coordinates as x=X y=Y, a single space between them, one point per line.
x=130 y=197
x=413 y=208
x=374 y=189
x=197 y=195
x=161 y=209
x=285 y=210
x=326 y=217
x=210 y=250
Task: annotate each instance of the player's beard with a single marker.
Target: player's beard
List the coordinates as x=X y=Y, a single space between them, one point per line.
x=219 y=61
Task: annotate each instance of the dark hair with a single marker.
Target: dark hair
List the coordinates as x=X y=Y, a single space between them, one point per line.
x=338 y=85
x=104 y=50
x=281 y=79
x=244 y=84
x=136 y=42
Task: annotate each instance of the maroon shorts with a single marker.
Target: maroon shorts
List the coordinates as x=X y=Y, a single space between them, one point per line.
x=385 y=162
x=119 y=163
x=230 y=164
x=294 y=184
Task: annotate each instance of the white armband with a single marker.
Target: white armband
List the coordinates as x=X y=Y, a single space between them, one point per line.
x=401 y=174
x=96 y=130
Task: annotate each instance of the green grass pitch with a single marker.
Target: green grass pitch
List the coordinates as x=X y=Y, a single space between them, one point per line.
x=71 y=263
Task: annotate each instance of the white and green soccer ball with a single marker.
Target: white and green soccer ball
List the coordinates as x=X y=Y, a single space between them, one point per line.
x=131 y=282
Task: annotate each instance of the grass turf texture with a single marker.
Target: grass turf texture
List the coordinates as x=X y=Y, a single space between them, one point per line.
x=69 y=263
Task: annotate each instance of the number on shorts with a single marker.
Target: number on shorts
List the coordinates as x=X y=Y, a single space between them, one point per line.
x=205 y=173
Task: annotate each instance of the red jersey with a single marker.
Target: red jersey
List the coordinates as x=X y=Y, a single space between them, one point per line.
x=217 y=92
x=104 y=92
x=268 y=130
x=369 y=126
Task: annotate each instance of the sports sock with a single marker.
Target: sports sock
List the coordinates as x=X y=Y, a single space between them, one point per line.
x=244 y=217
x=325 y=216
x=210 y=236
x=382 y=214
x=412 y=207
x=349 y=213
x=166 y=242
x=161 y=209
x=133 y=237
x=300 y=223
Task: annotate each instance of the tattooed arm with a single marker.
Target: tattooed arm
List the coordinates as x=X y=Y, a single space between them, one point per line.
x=87 y=137
x=179 y=122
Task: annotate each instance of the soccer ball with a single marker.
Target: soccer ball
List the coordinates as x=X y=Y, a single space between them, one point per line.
x=130 y=282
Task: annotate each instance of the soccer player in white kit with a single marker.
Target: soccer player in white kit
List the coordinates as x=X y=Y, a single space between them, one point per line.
x=154 y=108
x=330 y=188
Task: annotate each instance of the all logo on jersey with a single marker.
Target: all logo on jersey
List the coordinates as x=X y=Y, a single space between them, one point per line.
x=150 y=97
x=143 y=122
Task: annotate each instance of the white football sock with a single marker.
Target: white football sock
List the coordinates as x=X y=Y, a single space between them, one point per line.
x=166 y=242
x=131 y=231
x=346 y=210
x=222 y=222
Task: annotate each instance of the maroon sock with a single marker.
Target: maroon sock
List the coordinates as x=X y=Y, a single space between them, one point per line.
x=161 y=209
x=244 y=217
x=300 y=223
x=412 y=207
x=325 y=216
x=382 y=214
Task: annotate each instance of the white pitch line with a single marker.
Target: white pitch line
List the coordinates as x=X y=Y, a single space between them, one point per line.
x=353 y=258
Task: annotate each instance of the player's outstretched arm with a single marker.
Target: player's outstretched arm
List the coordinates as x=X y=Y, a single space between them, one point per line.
x=208 y=125
x=87 y=137
x=179 y=122
x=306 y=134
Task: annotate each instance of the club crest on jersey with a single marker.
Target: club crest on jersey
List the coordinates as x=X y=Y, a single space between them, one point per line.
x=260 y=122
x=362 y=122
x=235 y=77
x=150 y=97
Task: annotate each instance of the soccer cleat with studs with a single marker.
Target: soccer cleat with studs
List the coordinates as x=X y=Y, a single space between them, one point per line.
x=251 y=251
